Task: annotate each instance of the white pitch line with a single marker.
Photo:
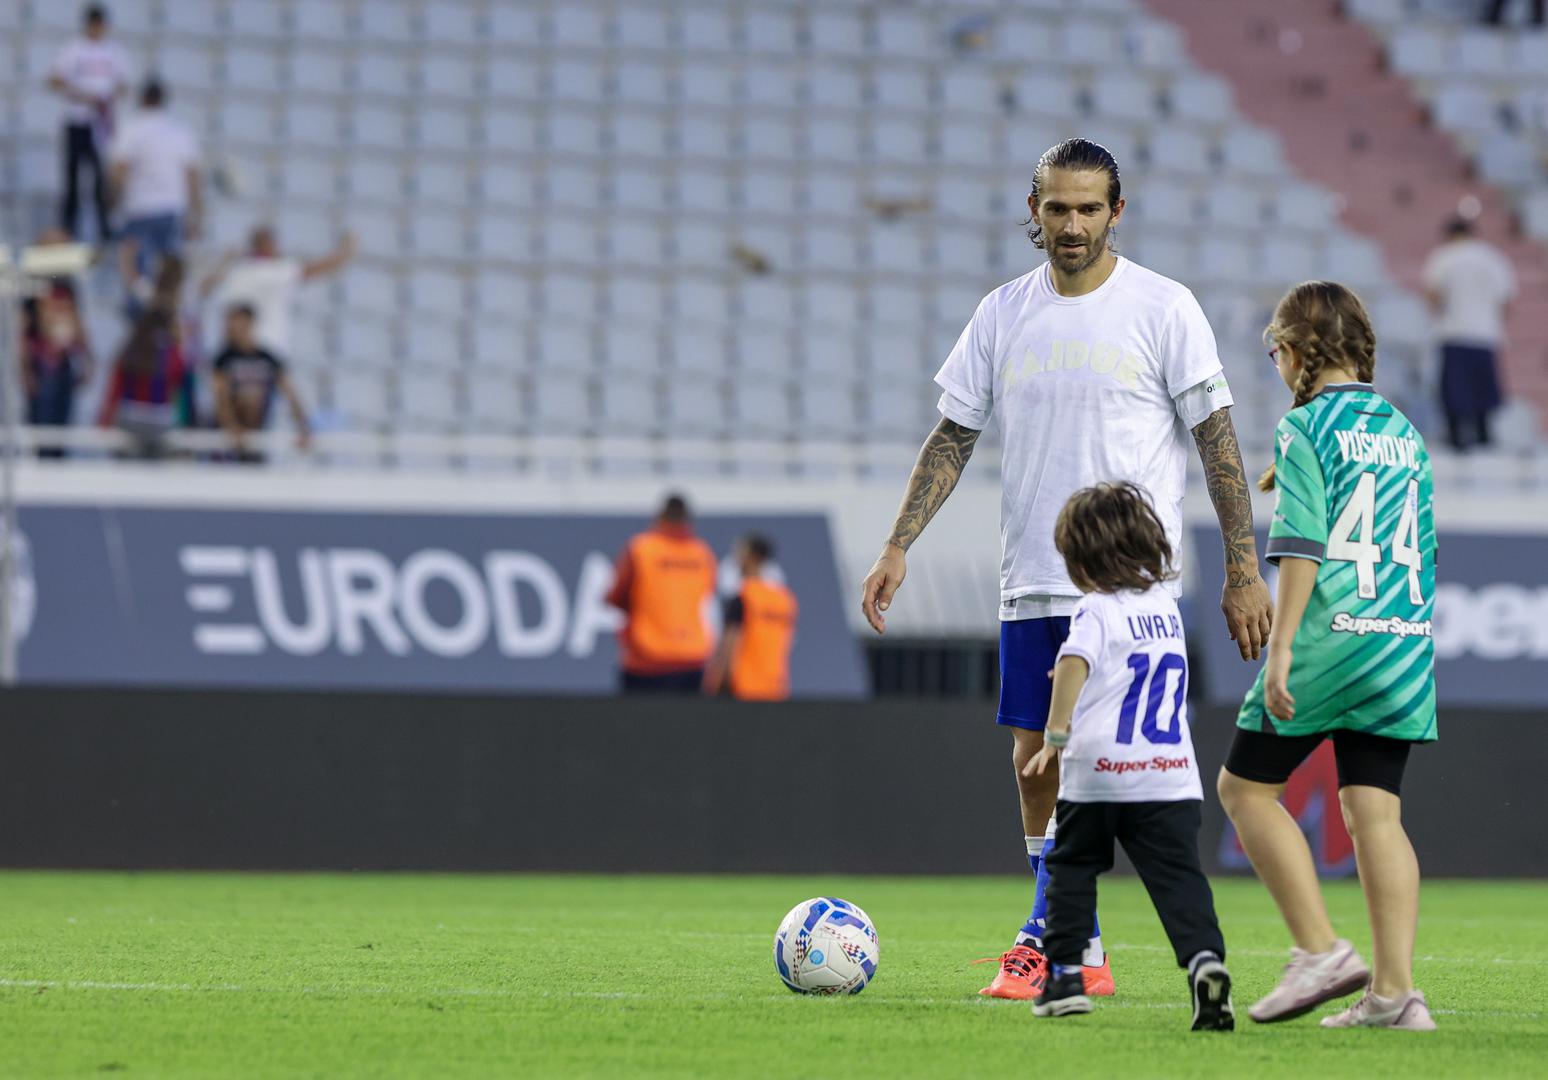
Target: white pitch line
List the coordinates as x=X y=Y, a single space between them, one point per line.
x=594 y=995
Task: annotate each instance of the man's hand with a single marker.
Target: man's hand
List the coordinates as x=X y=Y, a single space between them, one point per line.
x=1041 y=760
x=1249 y=611
x=1276 y=684
x=883 y=580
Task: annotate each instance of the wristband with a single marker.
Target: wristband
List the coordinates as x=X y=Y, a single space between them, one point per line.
x=1057 y=739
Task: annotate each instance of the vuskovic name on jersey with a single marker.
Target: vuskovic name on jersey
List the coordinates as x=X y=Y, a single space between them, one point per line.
x=1129 y=737
x=1354 y=494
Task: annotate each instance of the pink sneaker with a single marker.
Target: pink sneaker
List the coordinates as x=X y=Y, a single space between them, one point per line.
x=1406 y=1013
x=1311 y=979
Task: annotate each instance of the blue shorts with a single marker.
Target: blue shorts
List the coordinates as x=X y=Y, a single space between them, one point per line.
x=1028 y=649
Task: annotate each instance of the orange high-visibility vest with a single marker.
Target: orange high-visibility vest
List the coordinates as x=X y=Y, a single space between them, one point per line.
x=673 y=575
x=760 y=665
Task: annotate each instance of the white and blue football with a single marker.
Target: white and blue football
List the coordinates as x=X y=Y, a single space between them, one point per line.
x=826 y=946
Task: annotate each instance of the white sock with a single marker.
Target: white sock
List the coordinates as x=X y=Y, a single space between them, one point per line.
x=1053 y=827
x=1035 y=845
x=1199 y=958
x=1094 y=955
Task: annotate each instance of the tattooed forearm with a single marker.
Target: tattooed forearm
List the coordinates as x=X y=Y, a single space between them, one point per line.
x=1223 y=472
x=935 y=473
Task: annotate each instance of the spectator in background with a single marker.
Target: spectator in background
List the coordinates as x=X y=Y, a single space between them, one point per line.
x=664 y=578
x=753 y=656
x=151 y=391
x=1469 y=285
x=267 y=282
x=91 y=73
x=156 y=182
x=56 y=359
x=1496 y=13
x=246 y=378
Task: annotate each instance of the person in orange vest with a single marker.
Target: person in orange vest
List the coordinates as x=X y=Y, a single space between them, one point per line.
x=663 y=579
x=753 y=656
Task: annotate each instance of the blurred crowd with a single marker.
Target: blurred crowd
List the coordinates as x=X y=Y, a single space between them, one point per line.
x=133 y=187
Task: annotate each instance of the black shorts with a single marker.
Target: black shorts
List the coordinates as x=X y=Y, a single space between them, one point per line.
x=1367 y=760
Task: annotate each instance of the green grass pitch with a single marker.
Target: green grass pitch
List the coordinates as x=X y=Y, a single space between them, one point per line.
x=405 y=975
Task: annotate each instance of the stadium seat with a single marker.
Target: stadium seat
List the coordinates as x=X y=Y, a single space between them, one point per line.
x=824 y=407
x=428 y=401
x=632 y=345
x=827 y=352
x=1200 y=98
x=509 y=130
x=762 y=352
x=438 y=292
x=367 y=344
x=1421 y=51
x=696 y=349
x=452 y=22
x=576 y=187
x=703 y=300
x=361 y=399
x=898 y=248
x=643 y=26
x=638 y=133
x=504 y=185
x=561 y=403
x=577 y=80
x=496 y=404
x=825 y=300
x=695 y=407
x=835 y=32
x=568 y=296
x=972 y=92
x=1483 y=51
x=898 y=141
x=634 y=243
x=760 y=406
x=512 y=77
x=500 y=346
x=629 y=404
x=965 y=141
x=571 y=131
x=448 y=75
x=188 y=68
x=577 y=23
x=1120 y=97
x=829 y=86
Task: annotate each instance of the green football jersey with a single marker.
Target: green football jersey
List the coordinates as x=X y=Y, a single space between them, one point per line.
x=1355 y=495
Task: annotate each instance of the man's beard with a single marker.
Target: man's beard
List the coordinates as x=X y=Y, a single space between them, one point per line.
x=1087 y=259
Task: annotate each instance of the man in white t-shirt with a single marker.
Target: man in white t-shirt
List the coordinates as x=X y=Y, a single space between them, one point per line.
x=1470 y=285
x=266 y=281
x=156 y=184
x=1098 y=370
x=91 y=73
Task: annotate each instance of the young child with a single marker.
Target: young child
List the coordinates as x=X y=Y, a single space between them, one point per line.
x=1351 y=658
x=1119 y=720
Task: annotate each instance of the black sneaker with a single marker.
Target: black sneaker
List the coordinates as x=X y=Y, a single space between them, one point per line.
x=1211 y=986
x=1063 y=995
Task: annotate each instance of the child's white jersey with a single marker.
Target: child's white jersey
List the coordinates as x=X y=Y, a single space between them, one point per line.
x=1130 y=740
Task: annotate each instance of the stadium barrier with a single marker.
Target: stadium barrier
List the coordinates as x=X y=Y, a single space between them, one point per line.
x=164 y=779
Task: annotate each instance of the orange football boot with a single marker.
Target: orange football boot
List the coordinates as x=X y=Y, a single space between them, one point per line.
x=1099 y=980
x=1023 y=973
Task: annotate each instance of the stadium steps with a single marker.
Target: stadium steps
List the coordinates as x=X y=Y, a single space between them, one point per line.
x=1322 y=82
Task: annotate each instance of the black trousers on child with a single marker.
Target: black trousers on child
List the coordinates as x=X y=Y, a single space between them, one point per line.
x=1162 y=840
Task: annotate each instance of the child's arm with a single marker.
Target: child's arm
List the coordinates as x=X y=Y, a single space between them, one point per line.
x=1296 y=579
x=1069 y=676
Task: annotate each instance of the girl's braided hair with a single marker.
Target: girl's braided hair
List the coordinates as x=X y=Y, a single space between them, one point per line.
x=1325 y=323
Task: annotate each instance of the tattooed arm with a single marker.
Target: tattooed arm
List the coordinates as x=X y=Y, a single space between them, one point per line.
x=1245 y=600
x=935 y=474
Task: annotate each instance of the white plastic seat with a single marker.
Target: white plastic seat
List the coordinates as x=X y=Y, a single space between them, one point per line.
x=972 y=92
x=1155 y=45
x=308 y=177
x=1026 y=137
x=768 y=138
x=702 y=190
x=900 y=88
x=895 y=304
x=496 y=403
x=428 y=401
x=564 y=345
x=830 y=86
x=452 y=23
x=642 y=26
x=361 y=398
x=892 y=354
x=898 y=248
x=447 y=75
x=1121 y=97
x=1464 y=107
x=760 y=406
x=509 y=130
x=1225 y=260
x=1481 y=51
x=696 y=349
x=187 y=68
x=828 y=352
x=570 y=296
x=561 y=402
x=438 y=233
x=694 y=407
x=576 y=131
x=440 y=180
x=1302 y=206
x=1176 y=149
x=502 y=294
x=502 y=237
x=892 y=411
x=513 y=25
x=830 y=191
x=1200 y=98
x=635 y=297
x=762 y=351
x=1283 y=259
x=969 y=144
x=898 y=141
x=577 y=24
x=247 y=120
x=704 y=136
x=829 y=249
x=367 y=343
x=636 y=187
x=837 y=31
x=629 y=404
x=511 y=77
x=443 y=131
x=501 y=184
x=700 y=243
x=771 y=84
x=767 y=192
x=904 y=32
x=577 y=187
x=366 y=289
x=963 y=250
x=705 y=28
x=438 y=292
x=702 y=300
x=577 y=80
x=828 y=301
x=1421 y=50
x=830 y=408
x=1252 y=152
x=705 y=83
x=1354 y=260
x=634 y=243
x=770 y=30
x=767 y=300
x=392 y=22
x=631 y=345
x=642 y=82
x=567 y=240
x=251 y=68
x=638 y=133
x=500 y=346
x=832 y=137
x=313 y=123
x=379 y=126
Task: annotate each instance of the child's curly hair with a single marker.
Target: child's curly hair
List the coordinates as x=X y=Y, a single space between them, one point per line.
x=1111 y=539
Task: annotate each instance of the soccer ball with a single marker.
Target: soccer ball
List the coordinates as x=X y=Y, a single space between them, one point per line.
x=826 y=946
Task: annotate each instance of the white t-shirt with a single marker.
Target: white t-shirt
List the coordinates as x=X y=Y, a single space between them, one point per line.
x=1129 y=738
x=159 y=150
x=98 y=68
x=1474 y=282
x=269 y=285
x=1105 y=386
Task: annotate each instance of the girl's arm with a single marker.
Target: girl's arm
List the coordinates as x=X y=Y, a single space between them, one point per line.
x=1296 y=579
x=1069 y=677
